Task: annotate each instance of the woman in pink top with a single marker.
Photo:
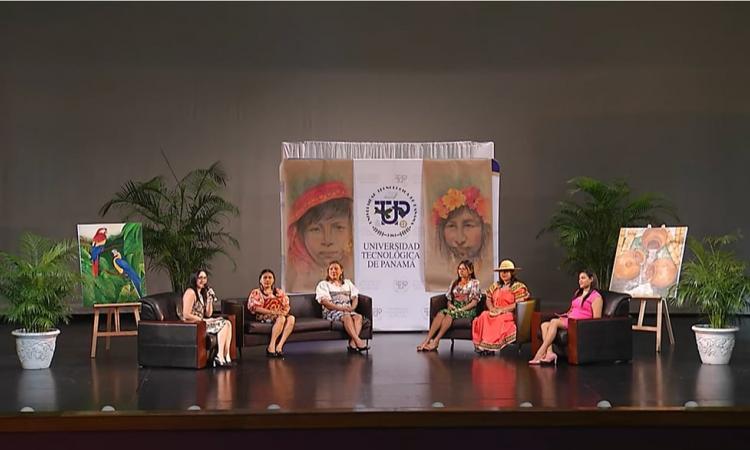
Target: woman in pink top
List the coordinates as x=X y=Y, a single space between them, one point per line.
x=586 y=304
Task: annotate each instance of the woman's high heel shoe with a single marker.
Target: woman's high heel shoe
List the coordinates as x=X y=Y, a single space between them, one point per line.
x=550 y=360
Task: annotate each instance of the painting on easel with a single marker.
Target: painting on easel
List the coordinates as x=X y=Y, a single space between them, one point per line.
x=112 y=263
x=648 y=260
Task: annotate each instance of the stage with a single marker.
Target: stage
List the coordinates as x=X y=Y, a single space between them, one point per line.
x=321 y=376
x=394 y=394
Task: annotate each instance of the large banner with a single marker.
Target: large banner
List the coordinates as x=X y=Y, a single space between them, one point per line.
x=388 y=240
x=316 y=220
x=399 y=227
x=458 y=220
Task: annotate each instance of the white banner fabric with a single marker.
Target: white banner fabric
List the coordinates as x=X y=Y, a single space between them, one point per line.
x=389 y=244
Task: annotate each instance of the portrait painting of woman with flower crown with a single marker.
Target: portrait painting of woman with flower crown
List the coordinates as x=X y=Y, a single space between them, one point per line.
x=316 y=221
x=458 y=220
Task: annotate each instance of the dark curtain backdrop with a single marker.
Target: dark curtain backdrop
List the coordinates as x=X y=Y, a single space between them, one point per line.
x=656 y=93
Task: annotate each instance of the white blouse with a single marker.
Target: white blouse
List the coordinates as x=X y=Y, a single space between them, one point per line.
x=325 y=288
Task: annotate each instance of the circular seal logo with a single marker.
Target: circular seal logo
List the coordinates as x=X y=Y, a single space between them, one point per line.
x=391 y=211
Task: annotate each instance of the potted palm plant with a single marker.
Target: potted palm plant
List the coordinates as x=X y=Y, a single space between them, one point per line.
x=36 y=283
x=587 y=224
x=183 y=223
x=715 y=281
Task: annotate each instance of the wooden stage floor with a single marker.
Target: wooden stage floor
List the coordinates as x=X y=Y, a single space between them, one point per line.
x=321 y=376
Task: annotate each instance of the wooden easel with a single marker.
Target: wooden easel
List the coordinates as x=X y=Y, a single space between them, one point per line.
x=661 y=310
x=113 y=310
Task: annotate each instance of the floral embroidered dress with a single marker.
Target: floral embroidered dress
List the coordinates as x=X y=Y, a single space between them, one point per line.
x=580 y=308
x=494 y=331
x=277 y=302
x=213 y=324
x=461 y=296
x=338 y=295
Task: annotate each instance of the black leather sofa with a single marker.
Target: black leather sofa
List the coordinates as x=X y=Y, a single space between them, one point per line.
x=166 y=341
x=461 y=328
x=309 y=325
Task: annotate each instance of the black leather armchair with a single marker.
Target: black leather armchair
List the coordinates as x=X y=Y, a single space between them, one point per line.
x=461 y=328
x=608 y=338
x=165 y=340
x=309 y=324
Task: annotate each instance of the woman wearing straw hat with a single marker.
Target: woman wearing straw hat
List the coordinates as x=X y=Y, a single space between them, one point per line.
x=495 y=328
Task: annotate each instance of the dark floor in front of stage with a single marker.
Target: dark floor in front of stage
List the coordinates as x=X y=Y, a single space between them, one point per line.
x=320 y=375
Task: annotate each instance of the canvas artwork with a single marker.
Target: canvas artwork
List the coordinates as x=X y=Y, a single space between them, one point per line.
x=648 y=260
x=316 y=221
x=112 y=263
x=458 y=220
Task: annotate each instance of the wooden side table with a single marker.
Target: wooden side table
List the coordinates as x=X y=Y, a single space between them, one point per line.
x=662 y=312
x=113 y=310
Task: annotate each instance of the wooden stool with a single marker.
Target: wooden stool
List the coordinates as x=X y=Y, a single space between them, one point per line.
x=113 y=310
x=661 y=310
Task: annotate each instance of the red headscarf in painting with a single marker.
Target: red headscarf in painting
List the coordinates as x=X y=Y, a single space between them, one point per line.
x=316 y=195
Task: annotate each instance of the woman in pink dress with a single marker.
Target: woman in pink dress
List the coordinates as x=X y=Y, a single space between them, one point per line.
x=587 y=304
x=495 y=328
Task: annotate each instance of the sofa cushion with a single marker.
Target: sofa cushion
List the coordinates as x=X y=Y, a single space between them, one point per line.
x=301 y=325
x=461 y=323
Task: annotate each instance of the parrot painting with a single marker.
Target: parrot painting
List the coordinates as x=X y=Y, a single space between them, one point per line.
x=97 y=247
x=124 y=269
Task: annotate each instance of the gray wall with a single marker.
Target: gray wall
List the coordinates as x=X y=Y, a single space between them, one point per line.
x=654 y=93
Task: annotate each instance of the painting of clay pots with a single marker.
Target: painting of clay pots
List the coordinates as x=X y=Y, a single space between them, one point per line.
x=648 y=260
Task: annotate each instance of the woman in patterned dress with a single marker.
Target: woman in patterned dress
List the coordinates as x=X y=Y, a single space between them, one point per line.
x=463 y=296
x=338 y=296
x=271 y=305
x=495 y=328
x=197 y=305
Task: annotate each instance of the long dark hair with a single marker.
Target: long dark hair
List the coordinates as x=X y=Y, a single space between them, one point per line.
x=341 y=278
x=193 y=284
x=472 y=276
x=274 y=289
x=593 y=288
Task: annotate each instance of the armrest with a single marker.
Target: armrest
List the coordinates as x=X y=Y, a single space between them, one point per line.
x=605 y=339
x=523 y=315
x=364 y=306
x=238 y=309
x=437 y=303
x=172 y=332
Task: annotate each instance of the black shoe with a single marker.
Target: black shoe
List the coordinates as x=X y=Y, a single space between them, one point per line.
x=351 y=349
x=280 y=354
x=363 y=349
x=271 y=354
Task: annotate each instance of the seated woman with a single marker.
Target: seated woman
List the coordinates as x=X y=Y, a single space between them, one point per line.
x=271 y=305
x=197 y=305
x=338 y=296
x=495 y=328
x=586 y=304
x=463 y=295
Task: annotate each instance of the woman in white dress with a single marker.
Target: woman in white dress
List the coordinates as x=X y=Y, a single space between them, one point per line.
x=338 y=296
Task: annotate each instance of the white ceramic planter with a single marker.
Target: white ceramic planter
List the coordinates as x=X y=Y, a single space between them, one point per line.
x=714 y=344
x=35 y=350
